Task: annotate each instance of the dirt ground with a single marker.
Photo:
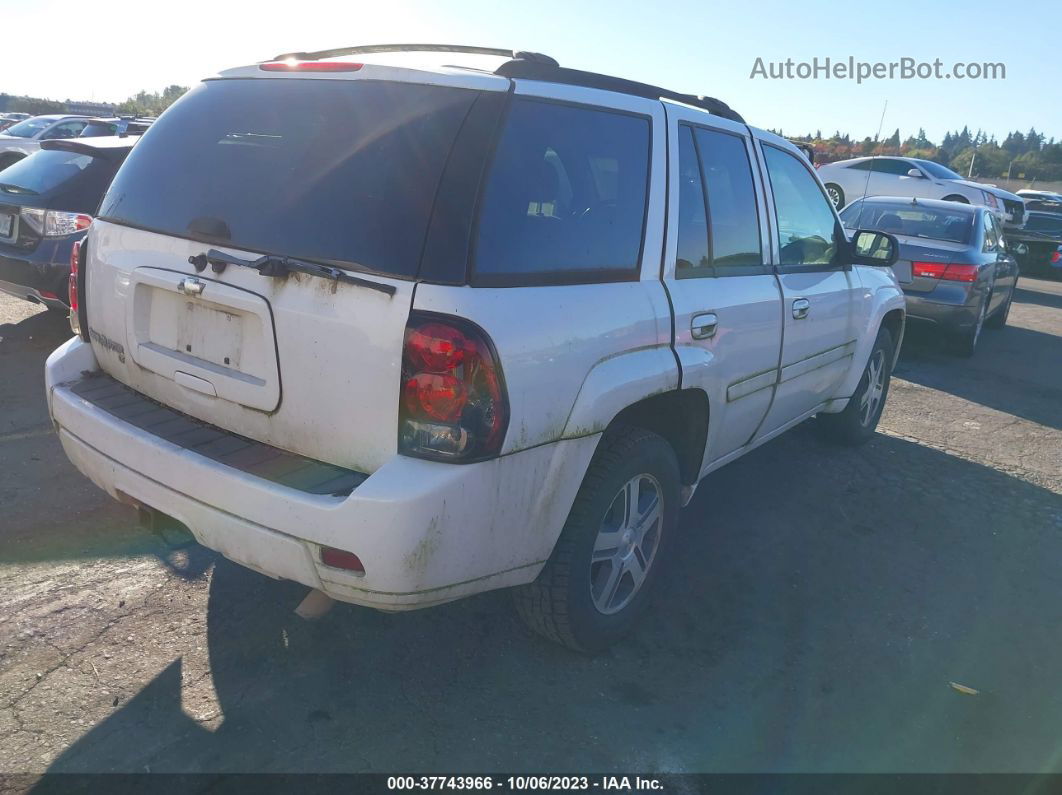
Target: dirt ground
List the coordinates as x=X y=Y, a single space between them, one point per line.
x=825 y=600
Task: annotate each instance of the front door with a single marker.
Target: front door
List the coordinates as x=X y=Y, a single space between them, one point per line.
x=818 y=293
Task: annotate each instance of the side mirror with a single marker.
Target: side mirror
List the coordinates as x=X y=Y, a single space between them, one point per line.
x=869 y=247
x=914 y=172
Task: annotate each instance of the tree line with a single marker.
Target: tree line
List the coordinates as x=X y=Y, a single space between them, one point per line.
x=143 y=103
x=1028 y=156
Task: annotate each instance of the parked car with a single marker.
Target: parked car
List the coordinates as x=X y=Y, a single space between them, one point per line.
x=46 y=203
x=118 y=125
x=1036 y=244
x=9 y=119
x=25 y=137
x=953 y=264
x=321 y=330
x=1043 y=203
x=1040 y=195
x=848 y=180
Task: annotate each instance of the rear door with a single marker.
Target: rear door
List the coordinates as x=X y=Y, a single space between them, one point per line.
x=818 y=294
x=726 y=300
x=340 y=172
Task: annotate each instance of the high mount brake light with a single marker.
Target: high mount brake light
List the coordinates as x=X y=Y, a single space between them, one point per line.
x=949 y=272
x=310 y=66
x=453 y=404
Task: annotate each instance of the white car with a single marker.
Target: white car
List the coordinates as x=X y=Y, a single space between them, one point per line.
x=320 y=329
x=848 y=180
x=24 y=138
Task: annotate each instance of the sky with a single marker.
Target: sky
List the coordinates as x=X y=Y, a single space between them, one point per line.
x=697 y=46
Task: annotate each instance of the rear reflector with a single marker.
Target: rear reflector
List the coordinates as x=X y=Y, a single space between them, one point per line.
x=341 y=559
x=949 y=272
x=310 y=66
x=49 y=295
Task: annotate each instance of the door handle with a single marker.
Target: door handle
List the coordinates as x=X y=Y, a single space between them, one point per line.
x=801 y=307
x=703 y=326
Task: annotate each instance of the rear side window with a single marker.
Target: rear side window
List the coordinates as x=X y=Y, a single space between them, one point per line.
x=340 y=171
x=565 y=198
x=735 y=226
x=98 y=129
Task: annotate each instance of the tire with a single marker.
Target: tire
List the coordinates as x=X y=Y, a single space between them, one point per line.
x=835 y=194
x=857 y=423
x=576 y=600
x=999 y=319
x=956 y=198
x=964 y=343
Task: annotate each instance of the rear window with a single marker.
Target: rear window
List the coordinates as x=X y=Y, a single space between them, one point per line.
x=98 y=129
x=925 y=222
x=339 y=171
x=565 y=198
x=44 y=171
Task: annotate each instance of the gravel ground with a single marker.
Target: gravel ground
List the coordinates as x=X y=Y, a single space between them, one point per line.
x=825 y=600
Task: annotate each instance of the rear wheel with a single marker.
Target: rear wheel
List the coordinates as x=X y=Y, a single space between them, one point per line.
x=999 y=319
x=957 y=198
x=836 y=194
x=857 y=423
x=964 y=343
x=613 y=545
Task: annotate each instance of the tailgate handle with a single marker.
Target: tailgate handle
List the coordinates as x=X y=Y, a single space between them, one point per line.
x=195 y=383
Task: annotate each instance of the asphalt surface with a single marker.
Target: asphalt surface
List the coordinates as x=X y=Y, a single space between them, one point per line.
x=824 y=601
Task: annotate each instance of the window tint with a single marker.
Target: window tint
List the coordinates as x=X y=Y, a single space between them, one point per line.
x=565 y=198
x=1043 y=223
x=727 y=173
x=937 y=170
x=805 y=219
x=692 y=256
x=895 y=167
x=342 y=171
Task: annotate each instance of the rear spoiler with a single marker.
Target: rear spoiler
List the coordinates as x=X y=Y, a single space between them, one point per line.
x=82 y=147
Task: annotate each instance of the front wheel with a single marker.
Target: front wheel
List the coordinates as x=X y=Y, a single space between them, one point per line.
x=836 y=195
x=857 y=423
x=612 y=548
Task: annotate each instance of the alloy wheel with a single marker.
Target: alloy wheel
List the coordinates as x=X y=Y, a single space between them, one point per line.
x=626 y=544
x=875 y=379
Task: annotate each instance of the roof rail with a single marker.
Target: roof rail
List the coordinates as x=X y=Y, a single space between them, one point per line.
x=374 y=48
x=535 y=69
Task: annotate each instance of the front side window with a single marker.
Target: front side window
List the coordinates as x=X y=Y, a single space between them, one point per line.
x=68 y=129
x=565 y=198
x=805 y=220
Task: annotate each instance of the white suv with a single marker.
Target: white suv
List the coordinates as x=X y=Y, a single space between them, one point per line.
x=408 y=334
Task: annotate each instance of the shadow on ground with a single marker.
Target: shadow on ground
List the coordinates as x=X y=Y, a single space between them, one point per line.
x=823 y=602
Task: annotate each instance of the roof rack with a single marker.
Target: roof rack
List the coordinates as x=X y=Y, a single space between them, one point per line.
x=377 y=48
x=533 y=69
x=532 y=66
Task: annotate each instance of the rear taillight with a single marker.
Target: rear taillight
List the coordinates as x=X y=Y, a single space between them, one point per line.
x=54 y=223
x=453 y=404
x=310 y=66
x=949 y=272
x=1056 y=257
x=71 y=287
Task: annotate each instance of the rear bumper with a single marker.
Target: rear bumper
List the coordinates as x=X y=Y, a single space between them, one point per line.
x=426 y=532
x=40 y=274
x=956 y=310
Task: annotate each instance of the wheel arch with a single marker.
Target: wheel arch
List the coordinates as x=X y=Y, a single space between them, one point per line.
x=681 y=417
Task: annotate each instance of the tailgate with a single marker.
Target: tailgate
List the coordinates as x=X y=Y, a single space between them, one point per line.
x=301 y=363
